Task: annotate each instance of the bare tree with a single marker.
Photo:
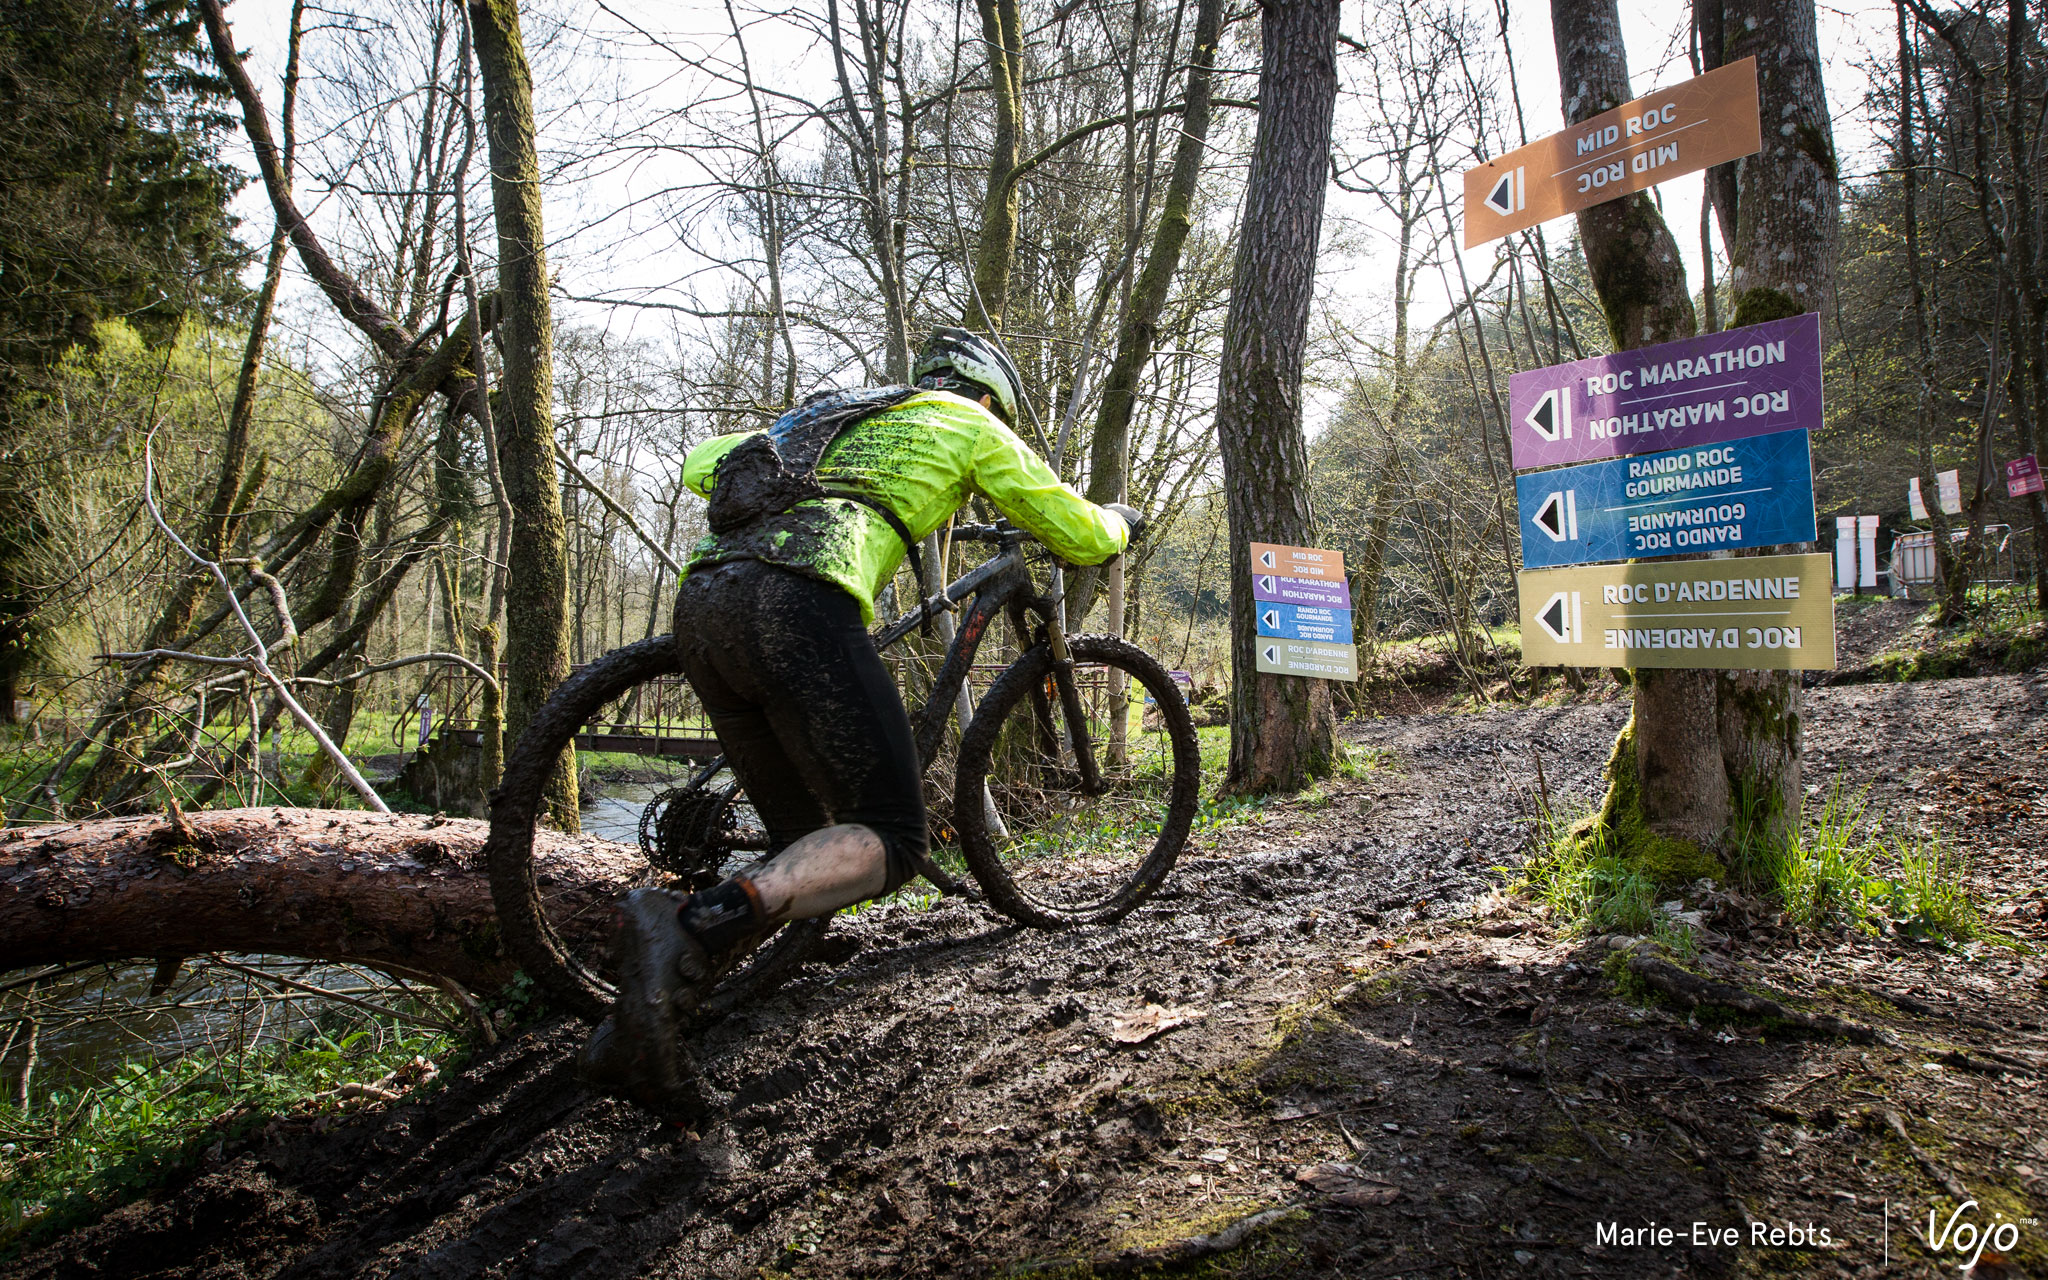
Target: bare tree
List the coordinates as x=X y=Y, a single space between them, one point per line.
x=1282 y=732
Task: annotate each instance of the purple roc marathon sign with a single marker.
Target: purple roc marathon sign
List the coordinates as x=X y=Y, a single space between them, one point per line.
x=1723 y=386
x=1305 y=591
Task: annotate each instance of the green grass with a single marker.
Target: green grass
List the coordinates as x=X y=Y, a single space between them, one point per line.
x=1828 y=878
x=1822 y=878
x=82 y=1150
x=1355 y=762
x=1925 y=899
x=1583 y=881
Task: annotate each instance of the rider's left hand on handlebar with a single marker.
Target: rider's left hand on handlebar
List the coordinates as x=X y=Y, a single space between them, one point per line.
x=1133 y=518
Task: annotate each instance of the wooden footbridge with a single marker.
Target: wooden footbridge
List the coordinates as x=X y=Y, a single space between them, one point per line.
x=660 y=718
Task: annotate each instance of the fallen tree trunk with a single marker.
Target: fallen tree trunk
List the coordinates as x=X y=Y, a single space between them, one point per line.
x=398 y=892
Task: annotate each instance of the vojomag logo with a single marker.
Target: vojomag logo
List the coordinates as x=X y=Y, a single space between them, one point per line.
x=1966 y=1236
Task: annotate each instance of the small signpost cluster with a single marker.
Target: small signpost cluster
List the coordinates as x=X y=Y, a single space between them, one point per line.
x=1303 y=604
x=1673 y=450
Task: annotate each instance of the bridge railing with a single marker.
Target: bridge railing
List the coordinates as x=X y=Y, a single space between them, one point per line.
x=661 y=717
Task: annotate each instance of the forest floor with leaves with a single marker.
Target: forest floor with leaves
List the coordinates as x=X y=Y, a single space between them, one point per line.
x=1331 y=1046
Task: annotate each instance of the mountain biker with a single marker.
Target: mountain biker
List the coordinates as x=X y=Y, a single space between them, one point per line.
x=771 y=627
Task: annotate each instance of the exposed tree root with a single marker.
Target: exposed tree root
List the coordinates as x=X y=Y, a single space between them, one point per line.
x=1690 y=990
x=1921 y=1158
x=1174 y=1252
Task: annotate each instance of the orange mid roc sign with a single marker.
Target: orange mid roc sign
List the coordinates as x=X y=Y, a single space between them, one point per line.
x=1297 y=562
x=1708 y=120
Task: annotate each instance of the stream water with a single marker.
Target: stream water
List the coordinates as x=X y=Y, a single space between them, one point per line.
x=615 y=815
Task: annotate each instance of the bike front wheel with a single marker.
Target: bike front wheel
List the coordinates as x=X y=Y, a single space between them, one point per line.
x=1050 y=846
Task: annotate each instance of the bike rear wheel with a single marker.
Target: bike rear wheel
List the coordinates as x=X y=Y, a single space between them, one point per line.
x=573 y=975
x=1047 y=849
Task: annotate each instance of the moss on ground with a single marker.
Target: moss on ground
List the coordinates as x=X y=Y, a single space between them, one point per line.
x=1962 y=653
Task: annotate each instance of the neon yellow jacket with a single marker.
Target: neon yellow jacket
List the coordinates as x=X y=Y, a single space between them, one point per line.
x=924 y=458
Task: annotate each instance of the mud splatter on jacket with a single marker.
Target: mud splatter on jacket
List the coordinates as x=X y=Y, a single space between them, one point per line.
x=924 y=457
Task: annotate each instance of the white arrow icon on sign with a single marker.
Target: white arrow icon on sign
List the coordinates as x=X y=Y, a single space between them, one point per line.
x=1266 y=583
x=1270 y=617
x=1509 y=195
x=1272 y=653
x=1266 y=559
x=1551 y=417
x=1558 y=517
x=1556 y=617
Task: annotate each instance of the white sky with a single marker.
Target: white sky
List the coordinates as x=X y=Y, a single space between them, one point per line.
x=593 y=261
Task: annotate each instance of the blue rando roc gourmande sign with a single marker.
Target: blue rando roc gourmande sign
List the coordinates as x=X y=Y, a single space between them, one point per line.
x=1739 y=493
x=1303 y=622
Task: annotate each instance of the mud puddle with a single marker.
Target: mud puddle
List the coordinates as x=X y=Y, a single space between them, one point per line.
x=1376 y=1066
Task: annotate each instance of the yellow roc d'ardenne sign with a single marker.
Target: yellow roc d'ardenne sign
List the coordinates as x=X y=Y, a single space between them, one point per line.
x=1751 y=614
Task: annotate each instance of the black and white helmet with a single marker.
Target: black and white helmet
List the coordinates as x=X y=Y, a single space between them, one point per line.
x=972 y=358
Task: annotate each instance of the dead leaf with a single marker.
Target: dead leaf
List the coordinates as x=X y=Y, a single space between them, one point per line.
x=1153 y=1020
x=1366 y=1196
x=1334 y=1178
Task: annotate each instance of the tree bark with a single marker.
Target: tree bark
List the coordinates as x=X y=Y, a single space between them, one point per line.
x=1782 y=263
x=536 y=618
x=1665 y=776
x=1708 y=757
x=1282 y=731
x=397 y=892
x=1002 y=31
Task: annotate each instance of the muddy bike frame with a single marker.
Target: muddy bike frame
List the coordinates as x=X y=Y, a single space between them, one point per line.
x=1001 y=584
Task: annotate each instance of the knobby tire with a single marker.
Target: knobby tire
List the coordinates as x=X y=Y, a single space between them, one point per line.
x=1020 y=692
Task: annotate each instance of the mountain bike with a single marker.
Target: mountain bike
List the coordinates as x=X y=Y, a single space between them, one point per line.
x=1071 y=798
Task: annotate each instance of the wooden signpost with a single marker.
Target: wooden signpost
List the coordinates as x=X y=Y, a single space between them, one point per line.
x=1705 y=121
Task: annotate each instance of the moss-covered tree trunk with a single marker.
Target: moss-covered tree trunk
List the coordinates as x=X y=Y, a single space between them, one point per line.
x=1708 y=752
x=1783 y=258
x=1109 y=452
x=536 y=586
x=1281 y=727
x=1665 y=781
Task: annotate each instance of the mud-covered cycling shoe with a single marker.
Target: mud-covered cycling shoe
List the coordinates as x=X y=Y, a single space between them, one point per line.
x=612 y=1064
x=638 y=1052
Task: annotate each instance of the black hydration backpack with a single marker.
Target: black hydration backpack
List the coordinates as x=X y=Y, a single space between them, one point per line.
x=767 y=474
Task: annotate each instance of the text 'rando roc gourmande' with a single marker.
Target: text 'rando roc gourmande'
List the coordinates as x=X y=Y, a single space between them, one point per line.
x=1714 y=364
x=1712 y=468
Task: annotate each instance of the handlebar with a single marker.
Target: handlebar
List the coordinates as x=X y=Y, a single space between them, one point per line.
x=998 y=533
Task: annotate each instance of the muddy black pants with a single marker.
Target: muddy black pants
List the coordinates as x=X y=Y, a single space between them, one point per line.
x=804 y=707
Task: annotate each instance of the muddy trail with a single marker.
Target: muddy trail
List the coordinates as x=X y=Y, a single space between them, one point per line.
x=1365 y=1061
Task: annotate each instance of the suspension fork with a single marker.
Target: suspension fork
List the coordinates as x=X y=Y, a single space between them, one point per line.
x=1070 y=704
